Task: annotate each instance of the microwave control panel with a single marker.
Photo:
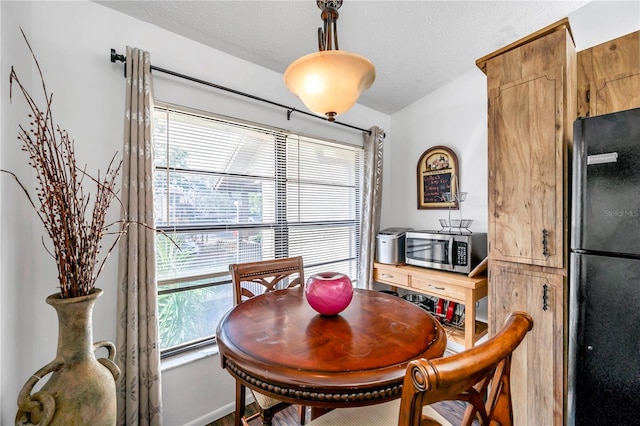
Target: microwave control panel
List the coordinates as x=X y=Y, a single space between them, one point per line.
x=461 y=253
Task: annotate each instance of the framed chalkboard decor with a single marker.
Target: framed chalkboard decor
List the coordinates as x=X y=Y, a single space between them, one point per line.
x=438 y=174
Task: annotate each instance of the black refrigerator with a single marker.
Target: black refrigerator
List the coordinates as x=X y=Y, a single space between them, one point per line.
x=604 y=292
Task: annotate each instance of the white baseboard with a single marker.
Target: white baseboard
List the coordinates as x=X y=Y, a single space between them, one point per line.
x=212 y=416
x=218 y=413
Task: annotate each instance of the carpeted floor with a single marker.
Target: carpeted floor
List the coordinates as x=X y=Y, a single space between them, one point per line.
x=450 y=410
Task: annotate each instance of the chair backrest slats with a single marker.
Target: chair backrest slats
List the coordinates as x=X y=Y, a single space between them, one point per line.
x=253 y=278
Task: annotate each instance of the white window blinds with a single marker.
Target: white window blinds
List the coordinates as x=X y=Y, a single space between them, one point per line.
x=229 y=192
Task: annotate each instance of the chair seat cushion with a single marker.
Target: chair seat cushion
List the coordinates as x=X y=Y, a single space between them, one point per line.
x=265 y=401
x=371 y=415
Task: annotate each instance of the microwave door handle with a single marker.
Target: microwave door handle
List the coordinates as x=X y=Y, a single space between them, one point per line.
x=451 y=253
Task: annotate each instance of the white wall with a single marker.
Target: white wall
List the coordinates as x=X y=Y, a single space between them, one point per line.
x=453 y=116
x=16 y=241
x=601 y=21
x=72 y=40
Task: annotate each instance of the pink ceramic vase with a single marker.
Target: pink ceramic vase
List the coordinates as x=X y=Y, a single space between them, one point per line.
x=329 y=293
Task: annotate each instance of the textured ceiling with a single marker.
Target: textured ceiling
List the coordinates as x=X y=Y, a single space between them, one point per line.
x=416 y=46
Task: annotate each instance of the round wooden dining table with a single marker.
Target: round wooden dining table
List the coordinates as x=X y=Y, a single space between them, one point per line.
x=275 y=343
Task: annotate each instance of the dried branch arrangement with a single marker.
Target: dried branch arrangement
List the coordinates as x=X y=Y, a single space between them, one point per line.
x=76 y=228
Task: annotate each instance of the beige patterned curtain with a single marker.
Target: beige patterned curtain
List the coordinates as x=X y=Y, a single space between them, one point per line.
x=371 y=201
x=139 y=393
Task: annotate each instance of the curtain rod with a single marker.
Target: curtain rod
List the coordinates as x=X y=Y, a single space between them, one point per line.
x=115 y=57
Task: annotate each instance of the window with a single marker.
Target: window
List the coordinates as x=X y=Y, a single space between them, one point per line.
x=227 y=192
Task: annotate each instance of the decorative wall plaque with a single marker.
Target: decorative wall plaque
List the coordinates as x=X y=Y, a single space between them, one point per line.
x=435 y=177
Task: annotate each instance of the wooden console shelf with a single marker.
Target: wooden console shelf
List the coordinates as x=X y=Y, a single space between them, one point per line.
x=446 y=285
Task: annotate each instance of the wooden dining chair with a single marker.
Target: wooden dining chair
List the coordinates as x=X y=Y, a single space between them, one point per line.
x=478 y=376
x=249 y=280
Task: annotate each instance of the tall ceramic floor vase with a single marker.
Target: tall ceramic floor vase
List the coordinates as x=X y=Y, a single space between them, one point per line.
x=81 y=389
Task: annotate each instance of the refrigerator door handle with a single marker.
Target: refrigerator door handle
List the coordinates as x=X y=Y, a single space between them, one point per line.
x=609 y=157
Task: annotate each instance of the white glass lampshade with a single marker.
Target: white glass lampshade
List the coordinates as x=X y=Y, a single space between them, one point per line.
x=329 y=82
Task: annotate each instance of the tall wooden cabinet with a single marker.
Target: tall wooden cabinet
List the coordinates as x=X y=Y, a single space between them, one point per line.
x=531 y=88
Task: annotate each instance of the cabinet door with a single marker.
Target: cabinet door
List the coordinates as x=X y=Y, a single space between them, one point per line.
x=537 y=365
x=610 y=72
x=618 y=94
x=526 y=170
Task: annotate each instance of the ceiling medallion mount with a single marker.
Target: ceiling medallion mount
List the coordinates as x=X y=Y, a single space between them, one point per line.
x=330 y=81
x=334 y=4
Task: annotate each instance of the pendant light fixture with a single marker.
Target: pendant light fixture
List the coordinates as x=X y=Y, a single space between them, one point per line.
x=329 y=82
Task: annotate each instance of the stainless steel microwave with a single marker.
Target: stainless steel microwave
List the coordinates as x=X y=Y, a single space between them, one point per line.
x=448 y=251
